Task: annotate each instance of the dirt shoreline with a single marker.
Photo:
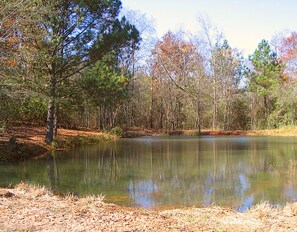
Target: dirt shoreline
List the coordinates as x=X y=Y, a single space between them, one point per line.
x=19 y=143
x=31 y=208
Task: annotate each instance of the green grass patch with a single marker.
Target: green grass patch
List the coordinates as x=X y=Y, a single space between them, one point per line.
x=117 y=131
x=76 y=141
x=195 y=133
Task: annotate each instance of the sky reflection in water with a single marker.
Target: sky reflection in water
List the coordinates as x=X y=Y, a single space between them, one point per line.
x=165 y=172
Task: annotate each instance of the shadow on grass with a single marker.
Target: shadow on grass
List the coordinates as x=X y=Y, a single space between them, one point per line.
x=12 y=151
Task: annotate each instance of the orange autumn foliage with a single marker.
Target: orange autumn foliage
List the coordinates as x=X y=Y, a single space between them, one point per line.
x=11 y=63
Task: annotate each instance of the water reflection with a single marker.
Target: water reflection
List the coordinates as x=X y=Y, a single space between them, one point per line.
x=177 y=171
x=52 y=171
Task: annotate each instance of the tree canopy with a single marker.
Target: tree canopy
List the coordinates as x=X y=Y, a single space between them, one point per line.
x=81 y=63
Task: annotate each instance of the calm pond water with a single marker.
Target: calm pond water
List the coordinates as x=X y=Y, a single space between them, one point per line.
x=149 y=172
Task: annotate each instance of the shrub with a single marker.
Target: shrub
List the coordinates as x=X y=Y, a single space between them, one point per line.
x=195 y=133
x=118 y=131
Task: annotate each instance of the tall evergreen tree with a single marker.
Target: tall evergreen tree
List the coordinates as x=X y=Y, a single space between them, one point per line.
x=75 y=34
x=266 y=74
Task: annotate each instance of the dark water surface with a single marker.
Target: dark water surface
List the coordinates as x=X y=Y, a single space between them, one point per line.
x=234 y=171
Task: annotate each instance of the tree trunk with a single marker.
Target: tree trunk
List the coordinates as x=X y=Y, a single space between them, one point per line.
x=132 y=103
x=266 y=110
x=152 y=104
x=49 y=137
x=56 y=115
x=254 y=118
x=100 y=118
x=215 y=107
x=198 y=117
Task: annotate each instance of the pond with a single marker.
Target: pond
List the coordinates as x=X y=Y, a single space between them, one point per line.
x=166 y=172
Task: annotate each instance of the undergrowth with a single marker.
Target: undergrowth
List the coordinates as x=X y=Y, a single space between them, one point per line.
x=76 y=141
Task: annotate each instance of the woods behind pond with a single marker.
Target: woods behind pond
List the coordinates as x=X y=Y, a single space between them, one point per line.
x=71 y=64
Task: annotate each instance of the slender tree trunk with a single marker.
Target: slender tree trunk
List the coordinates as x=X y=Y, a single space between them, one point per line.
x=225 y=118
x=56 y=115
x=198 y=119
x=161 y=116
x=266 y=110
x=100 y=123
x=152 y=104
x=215 y=107
x=254 y=119
x=133 y=106
x=49 y=137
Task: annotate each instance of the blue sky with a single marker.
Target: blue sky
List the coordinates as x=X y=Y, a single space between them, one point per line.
x=244 y=22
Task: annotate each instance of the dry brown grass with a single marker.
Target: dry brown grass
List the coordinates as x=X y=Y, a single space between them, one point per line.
x=284 y=131
x=36 y=135
x=32 y=208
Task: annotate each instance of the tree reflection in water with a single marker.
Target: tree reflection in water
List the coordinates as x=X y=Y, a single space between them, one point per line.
x=173 y=171
x=52 y=171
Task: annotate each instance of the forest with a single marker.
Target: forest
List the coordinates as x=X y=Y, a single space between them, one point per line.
x=92 y=64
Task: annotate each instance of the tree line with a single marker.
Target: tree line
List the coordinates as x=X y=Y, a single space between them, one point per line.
x=91 y=64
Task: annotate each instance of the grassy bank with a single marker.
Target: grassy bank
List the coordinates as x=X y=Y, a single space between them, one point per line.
x=31 y=208
x=285 y=131
x=79 y=140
